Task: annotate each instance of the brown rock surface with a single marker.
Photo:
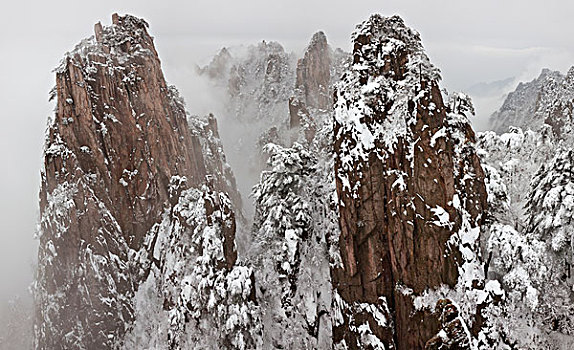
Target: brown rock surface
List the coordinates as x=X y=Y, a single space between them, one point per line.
x=314 y=73
x=312 y=85
x=452 y=335
x=119 y=117
x=401 y=178
x=119 y=137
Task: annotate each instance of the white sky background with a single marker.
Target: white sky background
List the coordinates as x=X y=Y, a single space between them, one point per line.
x=471 y=42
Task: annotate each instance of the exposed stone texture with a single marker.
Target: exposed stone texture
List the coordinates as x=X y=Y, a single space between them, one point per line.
x=119 y=136
x=301 y=119
x=117 y=114
x=312 y=85
x=314 y=73
x=219 y=173
x=403 y=181
x=452 y=335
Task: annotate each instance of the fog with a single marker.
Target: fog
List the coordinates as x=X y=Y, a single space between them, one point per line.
x=472 y=42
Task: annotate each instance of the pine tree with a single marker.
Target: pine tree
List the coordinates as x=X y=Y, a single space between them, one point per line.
x=550 y=209
x=550 y=206
x=291 y=256
x=283 y=214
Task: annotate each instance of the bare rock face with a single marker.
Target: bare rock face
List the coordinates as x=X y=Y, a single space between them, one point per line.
x=300 y=119
x=116 y=113
x=314 y=73
x=119 y=137
x=312 y=86
x=410 y=187
x=218 y=171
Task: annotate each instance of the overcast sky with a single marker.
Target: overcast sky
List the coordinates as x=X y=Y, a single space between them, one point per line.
x=471 y=42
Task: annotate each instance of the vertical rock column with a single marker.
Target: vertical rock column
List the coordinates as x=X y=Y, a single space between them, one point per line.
x=312 y=86
x=403 y=182
x=119 y=135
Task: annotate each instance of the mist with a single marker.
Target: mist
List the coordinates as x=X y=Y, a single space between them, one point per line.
x=470 y=42
x=239 y=139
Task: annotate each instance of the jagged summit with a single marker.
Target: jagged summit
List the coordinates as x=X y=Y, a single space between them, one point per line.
x=313 y=73
x=218 y=65
x=127 y=35
x=119 y=154
x=313 y=88
x=114 y=131
x=319 y=39
x=390 y=68
x=379 y=37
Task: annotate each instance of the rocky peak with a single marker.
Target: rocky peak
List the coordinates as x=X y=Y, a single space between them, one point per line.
x=410 y=185
x=257 y=78
x=313 y=86
x=545 y=73
x=219 y=65
x=131 y=143
x=395 y=49
x=118 y=153
x=313 y=74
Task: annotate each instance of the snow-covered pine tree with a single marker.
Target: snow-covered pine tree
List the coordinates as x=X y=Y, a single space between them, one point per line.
x=282 y=223
x=516 y=156
x=550 y=213
x=459 y=103
x=281 y=205
x=534 y=310
x=197 y=296
x=291 y=250
x=550 y=206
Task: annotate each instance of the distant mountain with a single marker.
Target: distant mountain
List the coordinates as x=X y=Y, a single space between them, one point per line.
x=262 y=91
x=546 y=100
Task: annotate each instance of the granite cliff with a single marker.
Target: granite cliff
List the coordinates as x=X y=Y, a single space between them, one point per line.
x=119 y=152
x=410 y=185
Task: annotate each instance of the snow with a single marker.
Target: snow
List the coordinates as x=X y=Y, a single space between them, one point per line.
x=399 y=182
x=193 y=280
x=375 y=312
x=109 y=116
x=292 y=240
x=369 y=339
x=442 y=216
x=58 y=210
